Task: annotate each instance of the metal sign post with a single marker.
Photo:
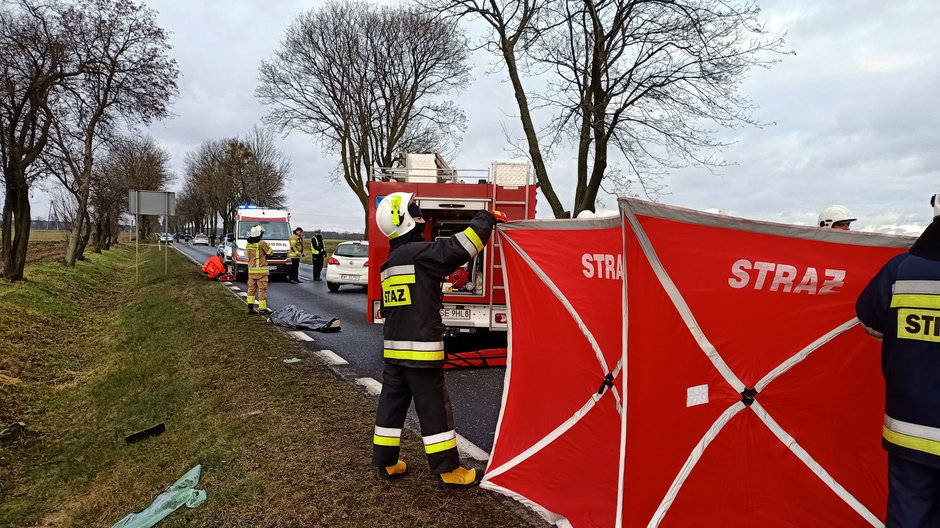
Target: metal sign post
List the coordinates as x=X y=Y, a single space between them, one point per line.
x=156 y=203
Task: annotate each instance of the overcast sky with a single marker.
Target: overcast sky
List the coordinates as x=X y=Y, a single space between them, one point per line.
x=855 y=112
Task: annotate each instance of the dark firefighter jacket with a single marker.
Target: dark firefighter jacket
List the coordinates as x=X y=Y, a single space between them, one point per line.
x=411 y=291
x=903 y=302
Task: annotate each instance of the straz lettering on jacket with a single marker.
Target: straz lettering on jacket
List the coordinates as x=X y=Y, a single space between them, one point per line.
x=396 y=285
x=918 y=304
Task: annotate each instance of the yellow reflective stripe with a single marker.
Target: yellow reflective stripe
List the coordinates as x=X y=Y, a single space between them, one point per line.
x=258 y=271
x=474 y=237
x=911 y=442
x=416 y=355
x=385 y=441
x=441 y=446
x=395 y=280
x=910 y=300
x=396 y=210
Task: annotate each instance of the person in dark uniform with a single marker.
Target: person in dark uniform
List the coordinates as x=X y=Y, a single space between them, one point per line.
x=413 y=338
x=901 y=307
x=317 y=252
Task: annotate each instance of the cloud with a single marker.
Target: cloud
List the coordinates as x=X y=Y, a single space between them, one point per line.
x=855 y=114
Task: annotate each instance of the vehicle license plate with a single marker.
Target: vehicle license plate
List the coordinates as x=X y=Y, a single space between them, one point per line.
x=349 y=277
x=272 y=268
x=455 y=314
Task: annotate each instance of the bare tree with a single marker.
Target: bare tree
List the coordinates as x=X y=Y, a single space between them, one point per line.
x=646 y=77
x=129 y=163
x=34 y=61
x=222 y=174
x=125 y=75
x=368 y=82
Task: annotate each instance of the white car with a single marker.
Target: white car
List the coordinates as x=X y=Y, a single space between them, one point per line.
x=200 y=239
x=349 y=264
x=166 y=237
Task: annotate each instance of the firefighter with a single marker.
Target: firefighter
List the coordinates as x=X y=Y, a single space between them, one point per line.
x=900 y=307
x=413 y=332
x=258 y=252
x=295 y=253
x=837 y=217
x=317 y=253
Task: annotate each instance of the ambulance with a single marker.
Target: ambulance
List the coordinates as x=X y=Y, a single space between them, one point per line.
x=474 y=298
x=277 y=231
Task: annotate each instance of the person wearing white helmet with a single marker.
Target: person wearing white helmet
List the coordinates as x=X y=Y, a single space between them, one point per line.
x=413 y=337
x=836 y=217
x=258 y=252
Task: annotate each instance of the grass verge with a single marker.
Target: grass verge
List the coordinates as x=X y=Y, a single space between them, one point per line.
x=90 y=356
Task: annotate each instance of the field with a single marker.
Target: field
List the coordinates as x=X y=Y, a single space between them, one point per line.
x=90 y=356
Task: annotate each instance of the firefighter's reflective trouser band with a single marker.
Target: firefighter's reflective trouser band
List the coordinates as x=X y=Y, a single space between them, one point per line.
x=912 y=436
x=432 y=404
x=414 y=350
x=470 y=241
x=918 y=304
x=258 y=283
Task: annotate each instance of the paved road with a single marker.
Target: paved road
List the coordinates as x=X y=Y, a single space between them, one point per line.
x=476 y=393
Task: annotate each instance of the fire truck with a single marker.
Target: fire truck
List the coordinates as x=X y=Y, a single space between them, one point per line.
x=474 y=297
x=276 y=224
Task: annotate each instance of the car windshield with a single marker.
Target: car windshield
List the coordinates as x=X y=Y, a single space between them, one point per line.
x=273 y=230
x=352 y=250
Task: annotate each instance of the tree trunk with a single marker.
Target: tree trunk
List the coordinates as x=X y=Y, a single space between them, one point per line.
x=538 y=163
x=14 y=238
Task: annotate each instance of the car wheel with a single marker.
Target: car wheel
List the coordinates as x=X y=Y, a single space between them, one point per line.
x=332 y=286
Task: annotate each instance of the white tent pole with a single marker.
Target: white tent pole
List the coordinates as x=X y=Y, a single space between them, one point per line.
x=621 y=471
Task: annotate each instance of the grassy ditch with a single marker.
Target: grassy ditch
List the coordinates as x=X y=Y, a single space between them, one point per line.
x=89 y=356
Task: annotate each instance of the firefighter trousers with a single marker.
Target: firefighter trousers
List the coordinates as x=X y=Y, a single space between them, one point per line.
x=294 y=268
x=432 y=404
x=913 y=494
x=258 y=282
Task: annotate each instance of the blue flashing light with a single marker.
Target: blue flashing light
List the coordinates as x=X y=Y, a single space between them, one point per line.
x=247 y=206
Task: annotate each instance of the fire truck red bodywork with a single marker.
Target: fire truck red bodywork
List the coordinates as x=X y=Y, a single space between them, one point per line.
x=448 y=207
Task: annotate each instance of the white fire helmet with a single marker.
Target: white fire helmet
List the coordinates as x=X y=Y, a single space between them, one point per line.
x=256 y=231
x=835 y=213
x=392 y=214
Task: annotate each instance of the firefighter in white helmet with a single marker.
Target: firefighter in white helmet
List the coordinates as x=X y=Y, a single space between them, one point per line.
x=837 y=217
x=258 y=252
x=413 y=337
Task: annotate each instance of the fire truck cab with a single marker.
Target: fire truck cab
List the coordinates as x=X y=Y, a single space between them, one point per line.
x=276 y=224
x=474 y=296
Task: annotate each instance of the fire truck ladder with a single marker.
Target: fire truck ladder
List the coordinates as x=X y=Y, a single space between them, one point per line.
x=497 y=202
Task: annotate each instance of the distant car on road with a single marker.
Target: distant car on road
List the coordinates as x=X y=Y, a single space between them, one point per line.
x=200 y=239
x=166 y=237
x=349 y=264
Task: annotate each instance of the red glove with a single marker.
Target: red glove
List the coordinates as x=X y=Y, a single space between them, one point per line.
x=501 y=217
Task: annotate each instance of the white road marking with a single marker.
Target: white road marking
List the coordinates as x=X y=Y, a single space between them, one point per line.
x=469 y=449
x=227 y=283
x=371 y=385
x=243 y=294
x=331 y=358
x=235 y=288
x=300 y=336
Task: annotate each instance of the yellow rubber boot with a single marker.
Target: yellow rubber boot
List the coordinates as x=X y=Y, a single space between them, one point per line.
x=461 y=478
x=399 y=470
